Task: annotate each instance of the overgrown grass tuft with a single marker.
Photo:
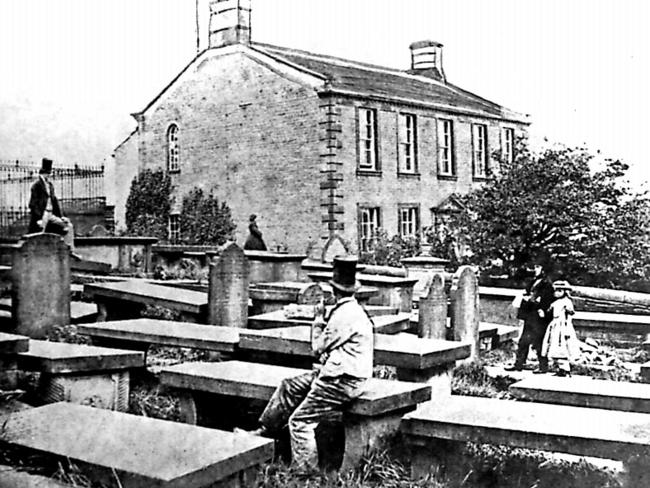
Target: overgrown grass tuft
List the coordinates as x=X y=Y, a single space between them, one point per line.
x=472 y=379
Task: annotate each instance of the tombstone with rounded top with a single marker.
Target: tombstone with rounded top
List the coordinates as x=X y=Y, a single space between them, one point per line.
x=40 y=284
x=465 y=308
x=228 y=288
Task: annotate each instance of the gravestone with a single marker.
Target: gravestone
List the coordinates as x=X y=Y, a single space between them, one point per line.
x=432 y=316
x=335 y=246
x=228 y=288
x=465 y=309
x=40 y=285
x=311 y=294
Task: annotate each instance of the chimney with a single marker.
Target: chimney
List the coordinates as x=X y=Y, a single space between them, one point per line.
x=230 y=22
x=426 y=60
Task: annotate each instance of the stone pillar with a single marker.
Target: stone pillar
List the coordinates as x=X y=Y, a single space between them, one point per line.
x=465 y=309
x=40 y=285
x=432 y=317
x=228 y=288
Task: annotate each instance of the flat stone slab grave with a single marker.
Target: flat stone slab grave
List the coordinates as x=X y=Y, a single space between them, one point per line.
x=61 y=357
x=12 y=478
x=581 y=431
x=109 y=296
x=12 y=344
x=491 y=333
x=81 y=374
x=145 y=332
x=422 y=358
x=374 y=415
x=584 y=391
x=386 y=324
x=141 y=451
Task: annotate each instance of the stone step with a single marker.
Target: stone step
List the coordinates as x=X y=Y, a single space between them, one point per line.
x=138 y=451
x=584 y=391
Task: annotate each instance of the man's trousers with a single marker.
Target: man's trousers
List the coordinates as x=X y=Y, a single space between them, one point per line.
x=303 y=402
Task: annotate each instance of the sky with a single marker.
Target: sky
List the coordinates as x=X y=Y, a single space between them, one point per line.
x=72 y=71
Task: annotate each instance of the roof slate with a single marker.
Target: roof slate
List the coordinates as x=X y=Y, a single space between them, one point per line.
x=368 y=80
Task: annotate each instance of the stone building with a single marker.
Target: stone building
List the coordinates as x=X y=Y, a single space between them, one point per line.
x=315 y=145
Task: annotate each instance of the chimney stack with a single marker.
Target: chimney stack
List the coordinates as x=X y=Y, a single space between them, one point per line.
x=426 y=60
x=230 y=22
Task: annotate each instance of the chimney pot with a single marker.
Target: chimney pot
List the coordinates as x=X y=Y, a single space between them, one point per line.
x=426 y=59
x=230 y=22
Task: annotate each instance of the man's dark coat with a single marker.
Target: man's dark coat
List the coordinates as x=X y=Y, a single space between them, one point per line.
x=38 y=203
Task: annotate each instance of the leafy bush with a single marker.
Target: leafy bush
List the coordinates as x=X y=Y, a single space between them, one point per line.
x=204 y=220
x=148 y=204
x=390 y=251
x=553 y=205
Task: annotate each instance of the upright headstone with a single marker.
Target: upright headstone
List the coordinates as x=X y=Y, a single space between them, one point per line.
x=40 y=285
x=228 y=288
x=432 y=317
x=310 y=294
x=465 y=309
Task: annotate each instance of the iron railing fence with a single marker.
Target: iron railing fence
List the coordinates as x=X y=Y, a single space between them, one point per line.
x=78 y=188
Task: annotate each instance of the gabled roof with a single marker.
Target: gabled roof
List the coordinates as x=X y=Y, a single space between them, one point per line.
x=365 y=80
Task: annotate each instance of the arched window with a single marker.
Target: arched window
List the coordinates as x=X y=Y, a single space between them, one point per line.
x=173 y=149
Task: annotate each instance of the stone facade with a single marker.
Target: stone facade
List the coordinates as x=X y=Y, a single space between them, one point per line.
x=271 y=139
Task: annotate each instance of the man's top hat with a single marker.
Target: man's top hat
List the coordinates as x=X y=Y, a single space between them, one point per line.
x=46 y=166
x=344 y=273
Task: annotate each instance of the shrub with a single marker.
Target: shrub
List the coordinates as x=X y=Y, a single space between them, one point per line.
x=204 y=220
x=148 y=204
x=390 y=251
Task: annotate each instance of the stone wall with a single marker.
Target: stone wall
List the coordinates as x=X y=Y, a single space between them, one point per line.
x=253 y=135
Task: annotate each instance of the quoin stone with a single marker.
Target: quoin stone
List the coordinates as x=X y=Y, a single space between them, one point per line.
x=465 y=309
x=432 y=317
x=40 y=285
x=228 y=288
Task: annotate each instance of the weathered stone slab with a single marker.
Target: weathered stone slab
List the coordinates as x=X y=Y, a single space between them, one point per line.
x=40 y=289
x=403 y=350
x=387 y=324
x=140 y=451
x=60 y=357
x=258 y=381
x=82 y=312
x=575 y=430
x=584 y=391
x=139 y=291
x=165 y=333
x=12 y=343
x=228 y=288
x=393 y=291
x=11 y=478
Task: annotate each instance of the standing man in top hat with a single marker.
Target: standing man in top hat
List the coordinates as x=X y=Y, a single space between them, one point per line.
x=343 y=343
x=45 y=212
x=537 y=299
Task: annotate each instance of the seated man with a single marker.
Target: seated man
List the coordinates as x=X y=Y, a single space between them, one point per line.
x=45 y=211
x=344 y=345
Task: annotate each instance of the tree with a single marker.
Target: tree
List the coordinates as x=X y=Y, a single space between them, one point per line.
x=204 y=220
x=148 y=204
x=553 y=204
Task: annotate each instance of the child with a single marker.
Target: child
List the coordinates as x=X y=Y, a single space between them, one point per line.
x=560 y=341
